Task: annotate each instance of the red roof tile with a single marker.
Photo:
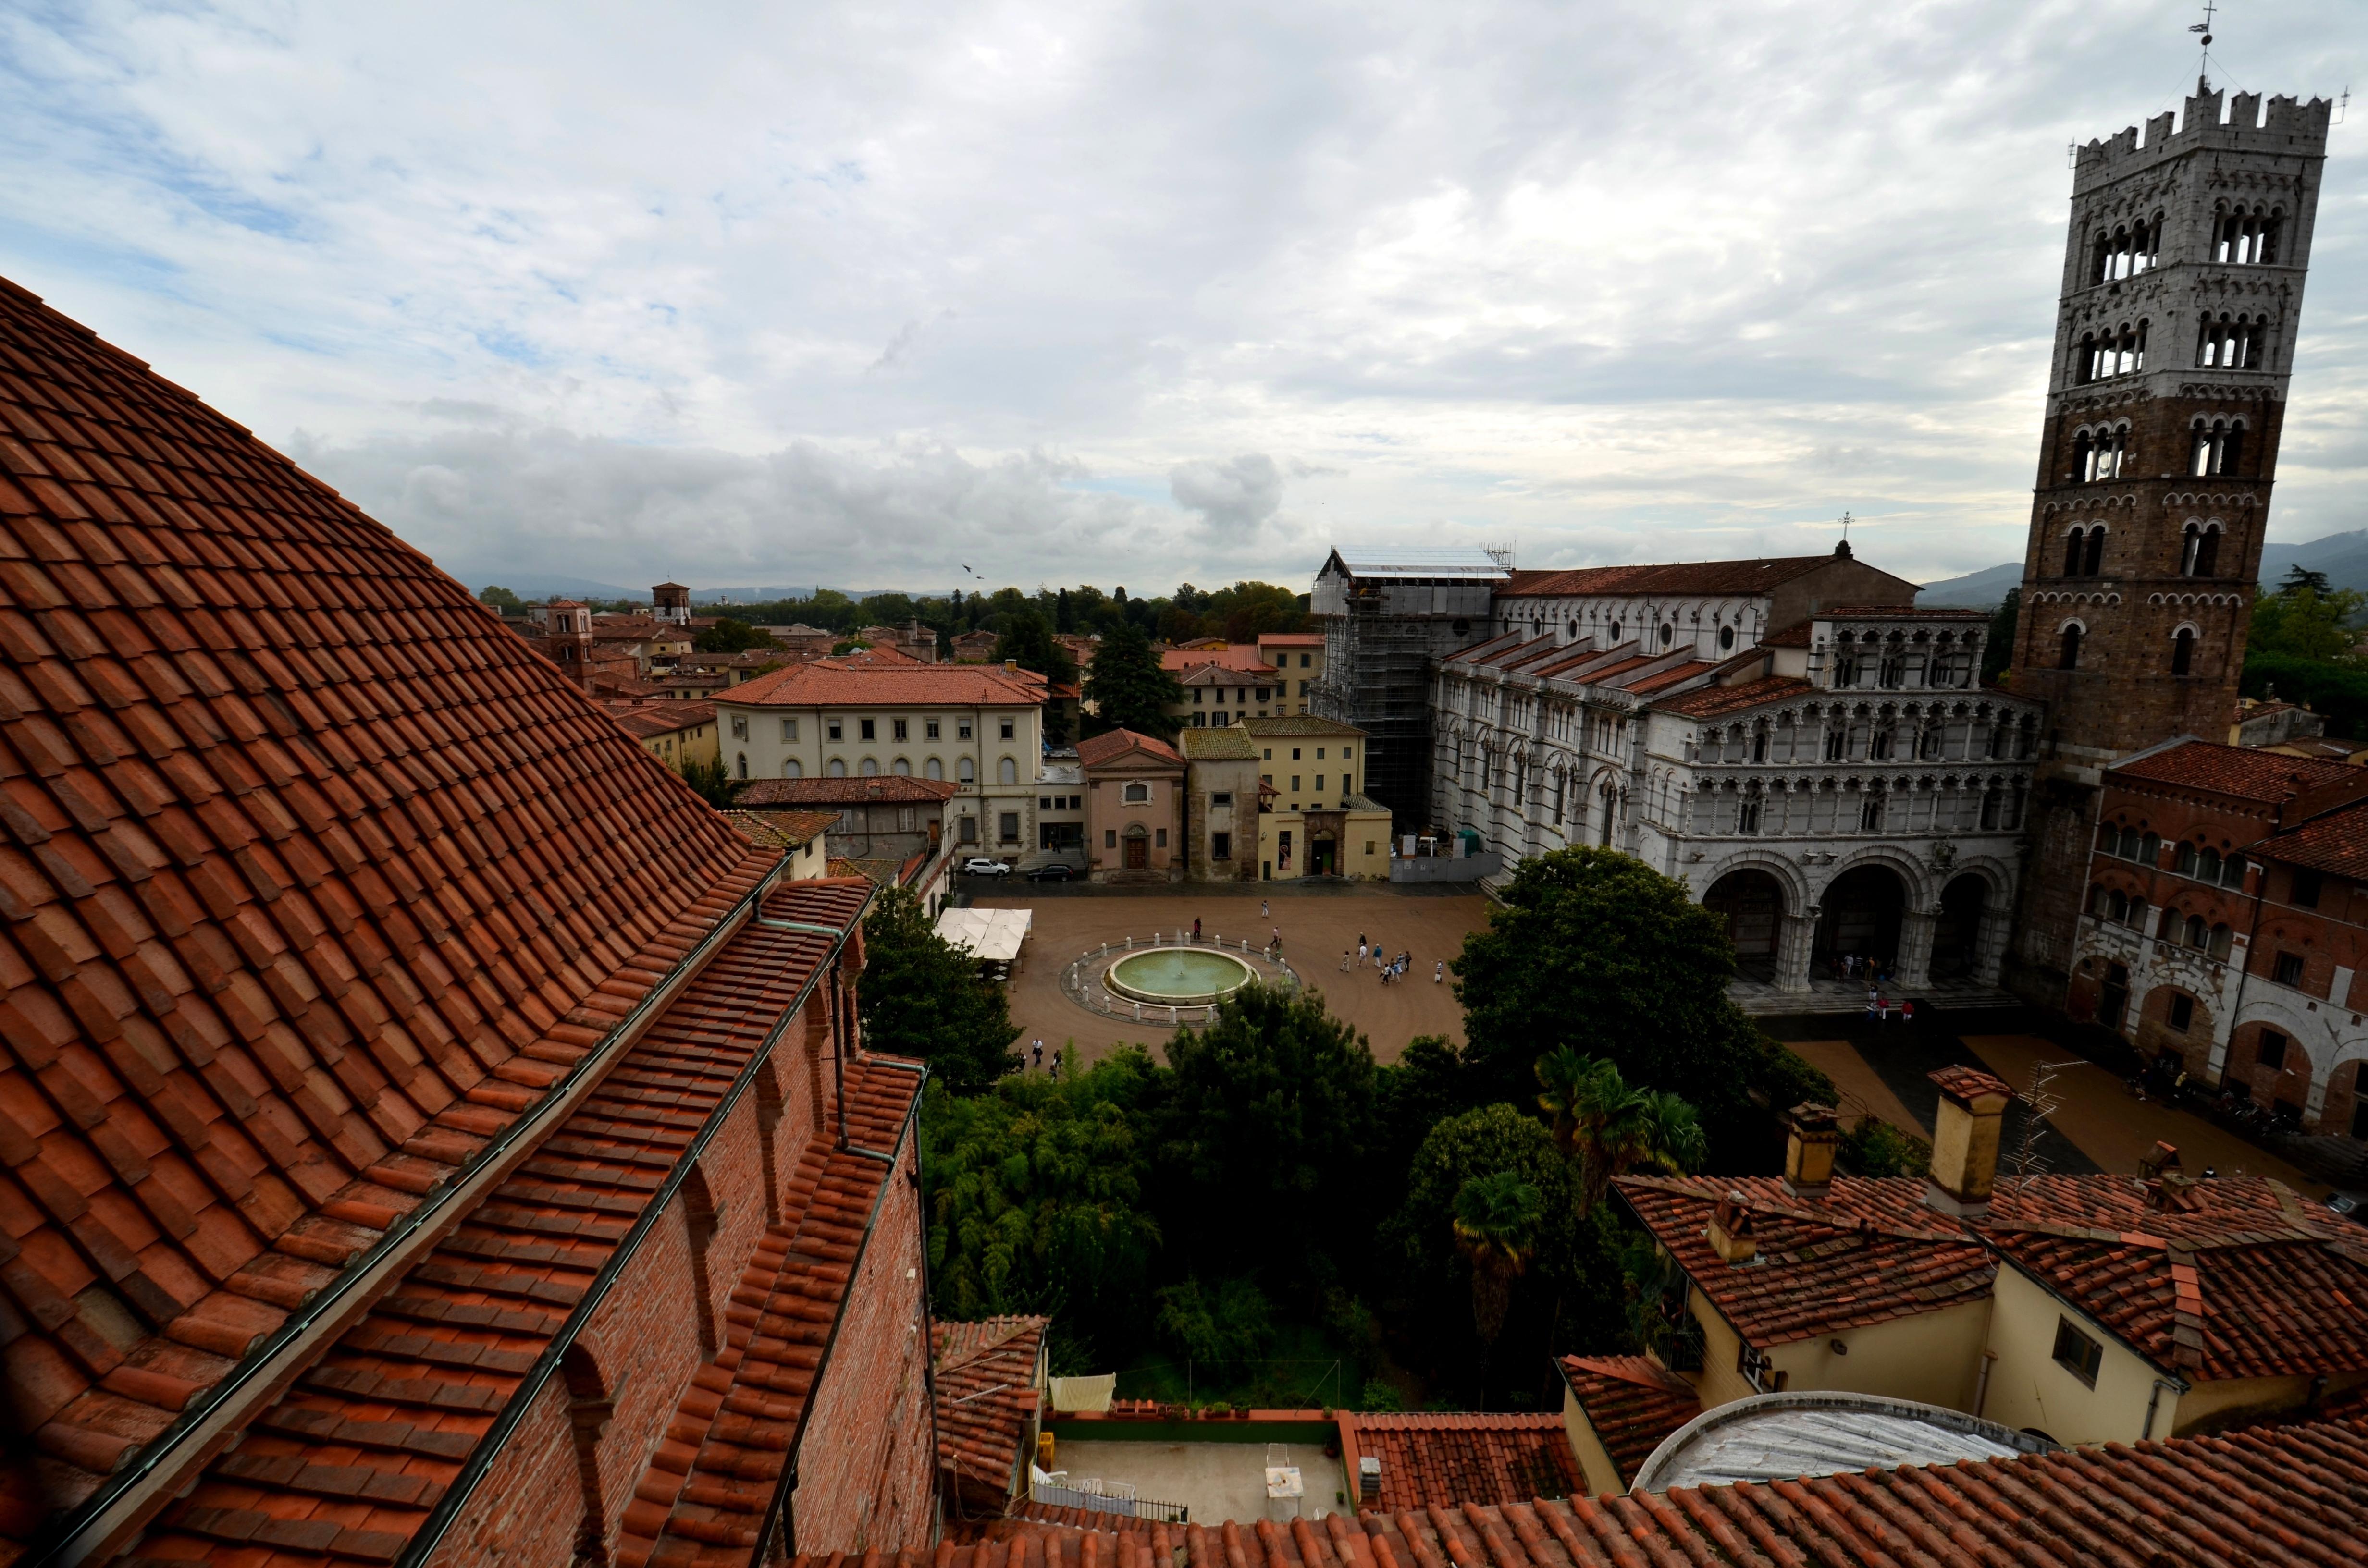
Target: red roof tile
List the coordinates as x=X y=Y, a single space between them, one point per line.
x=865 y=789
x=708 y=1487
x=1447 y=1459
x=986 y=1382
x=1868 y=1251
x=2274 y=1497
x=647 y=721
x=1716 y=701
x=2241 y=771
x=784 y=830
x=837 y=683
x=2335 y=843
x=1674 y=577
x=1241 y=656
x=374 y=1431
x=1631 y=1403
x=1101 y=750
x=313 y=871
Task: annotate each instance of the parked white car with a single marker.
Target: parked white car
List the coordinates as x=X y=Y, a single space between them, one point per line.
x=980 y=866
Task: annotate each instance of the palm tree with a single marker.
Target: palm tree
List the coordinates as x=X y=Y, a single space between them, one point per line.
x=1496 y=1224
x=1617 y=1130
x=1561 y=1075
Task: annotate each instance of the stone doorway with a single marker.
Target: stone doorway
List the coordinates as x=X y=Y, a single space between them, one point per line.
x=1861 y=916
x=1138 y=850
x=1957 y=935
x=1752 y=904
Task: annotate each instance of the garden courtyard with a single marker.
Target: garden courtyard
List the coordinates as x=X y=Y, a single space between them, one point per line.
x=1317 y=925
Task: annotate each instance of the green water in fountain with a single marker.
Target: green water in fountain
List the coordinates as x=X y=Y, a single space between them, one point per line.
x=1179 y=976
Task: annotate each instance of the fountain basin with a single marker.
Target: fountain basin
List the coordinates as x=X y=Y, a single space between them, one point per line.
x=1178 y=977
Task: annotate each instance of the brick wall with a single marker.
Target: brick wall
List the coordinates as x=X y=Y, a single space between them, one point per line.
x=866 y=1468
x=527 y=1513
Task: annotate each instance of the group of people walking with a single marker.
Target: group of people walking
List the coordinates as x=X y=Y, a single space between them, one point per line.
x=1390 y=968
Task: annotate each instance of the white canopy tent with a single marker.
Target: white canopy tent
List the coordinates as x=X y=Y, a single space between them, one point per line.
x=990 y=935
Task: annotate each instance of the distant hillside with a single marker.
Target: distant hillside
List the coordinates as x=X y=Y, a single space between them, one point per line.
x=2343 y=557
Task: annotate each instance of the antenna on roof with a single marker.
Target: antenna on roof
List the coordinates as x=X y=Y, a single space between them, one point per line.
x=1502 y=554
x=2203 y=69
x=1843 y=548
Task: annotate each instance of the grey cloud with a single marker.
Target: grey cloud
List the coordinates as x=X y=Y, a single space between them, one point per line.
x=1233 y=495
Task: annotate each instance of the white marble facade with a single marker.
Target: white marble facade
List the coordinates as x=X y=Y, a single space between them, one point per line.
x=1842 y=785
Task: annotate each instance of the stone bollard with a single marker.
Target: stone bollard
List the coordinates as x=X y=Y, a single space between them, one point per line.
x=1138 y=1012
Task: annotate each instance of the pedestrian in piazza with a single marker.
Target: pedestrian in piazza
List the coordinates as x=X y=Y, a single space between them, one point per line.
x=1278 y=936
x=1263 y=911
x=1438 y=971
x=1344 y=960
x=1361 y=950
x=1196 y=927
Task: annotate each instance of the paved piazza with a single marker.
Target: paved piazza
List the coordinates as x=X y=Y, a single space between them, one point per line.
x=1317 y=926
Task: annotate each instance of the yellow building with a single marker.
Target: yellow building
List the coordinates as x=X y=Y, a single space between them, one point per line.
x=1312 y=820
x=2083 y=1308
x=1297 y=660
x=676 y=732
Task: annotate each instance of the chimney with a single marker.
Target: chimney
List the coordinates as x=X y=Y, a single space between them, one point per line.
x=1730 y=1229
x=1966 y=1141
x=2156 y=1161
x=1011 y=666
x=1809 y=1142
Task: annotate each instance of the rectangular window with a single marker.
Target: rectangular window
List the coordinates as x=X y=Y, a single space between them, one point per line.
x=1369 y=847
x=1197 y=696
x=969 y=833
x=1294 y=754
x=961 y=729
x=2307 y=885
x=1303 y=686
x=1305 y=660
x=1319 y=757
x=896 y=728
x=2287 y=969
x=1294 y=783
x=1043 y=802
x=789 y=728
x=2182 y=1013
x=1319 y=783
x=1220 y=847
x=2077 y=1353
x=867 y=730
x=836 y=731
x=1159 y=838
x=1109 y=839
x=1007 y=827
x=739 y=729
x=907 y=820
x=1221 y=720
x=2272 y=1050
x=930 y=729
x=1222 y=798
x=1007 y=729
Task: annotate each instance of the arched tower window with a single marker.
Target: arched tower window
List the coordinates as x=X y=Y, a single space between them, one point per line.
x=2247 y=236
x=2218 y=446
x=2199 y=554
x=2182 y=650
x=2067 y=653
x=2094 y=563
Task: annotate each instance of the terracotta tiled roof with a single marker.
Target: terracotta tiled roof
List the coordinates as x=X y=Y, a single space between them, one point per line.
x=2231 y=770
x=1660 y=679
x=706 y=1493
x=1716 y=701
x=1101 y=750
x=783 y=830
x=874 y=656
x=2232 y=1277
x=647 y=721
x=1868 y=1251
x=1218 y=743
x=1897 y=612
x=1631 y=1403
x=313 y=874
x=836 y=683
x=346 y=1465
x=1291 y=639
x=1793 y=636
x=1449 y=1459
x=1219 y=676
x=1241 y=656
x=2274 y=1497
x=986 y=1394
x=1675 y=577
x=859 y=790
x=2336 y=842
x=1283 y=724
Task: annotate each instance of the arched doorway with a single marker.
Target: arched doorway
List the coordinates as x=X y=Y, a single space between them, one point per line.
x=1752 y=904
x=1861 y=916
x=1957 y=935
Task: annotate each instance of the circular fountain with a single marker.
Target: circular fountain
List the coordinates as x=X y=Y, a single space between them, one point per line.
x=1178 y=977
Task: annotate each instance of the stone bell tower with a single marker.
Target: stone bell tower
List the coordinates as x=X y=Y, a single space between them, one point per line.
x=2174 y=342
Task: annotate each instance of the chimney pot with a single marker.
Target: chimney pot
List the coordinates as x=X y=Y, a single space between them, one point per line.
x=1809 y=1142
x=1965 y=1131
x=1730 y=1229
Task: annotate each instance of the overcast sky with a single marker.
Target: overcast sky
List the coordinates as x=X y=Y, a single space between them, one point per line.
x=865 y=294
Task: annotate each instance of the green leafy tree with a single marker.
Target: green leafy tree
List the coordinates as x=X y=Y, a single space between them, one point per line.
x=1496 y=1226
x=921 y=996
x=1240 y=613
x=2299 y=577
x=712 y=780
x=730 y=636
x=1614 y=1130
x=1268 y=1113
x=1027 y=639
x=502 y=600
x=1035 y=1198
x=1222 y=1328
x=1998 y=652
x=1875 y=1148
x=1127 y=685
x=2300 y=622
x=1426 y=1084
x=1593 y=950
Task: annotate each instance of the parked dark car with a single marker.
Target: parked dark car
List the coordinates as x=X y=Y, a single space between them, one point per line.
x=1052 y=872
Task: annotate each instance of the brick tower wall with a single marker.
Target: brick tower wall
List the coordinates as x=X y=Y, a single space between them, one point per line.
x=2172 y=195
